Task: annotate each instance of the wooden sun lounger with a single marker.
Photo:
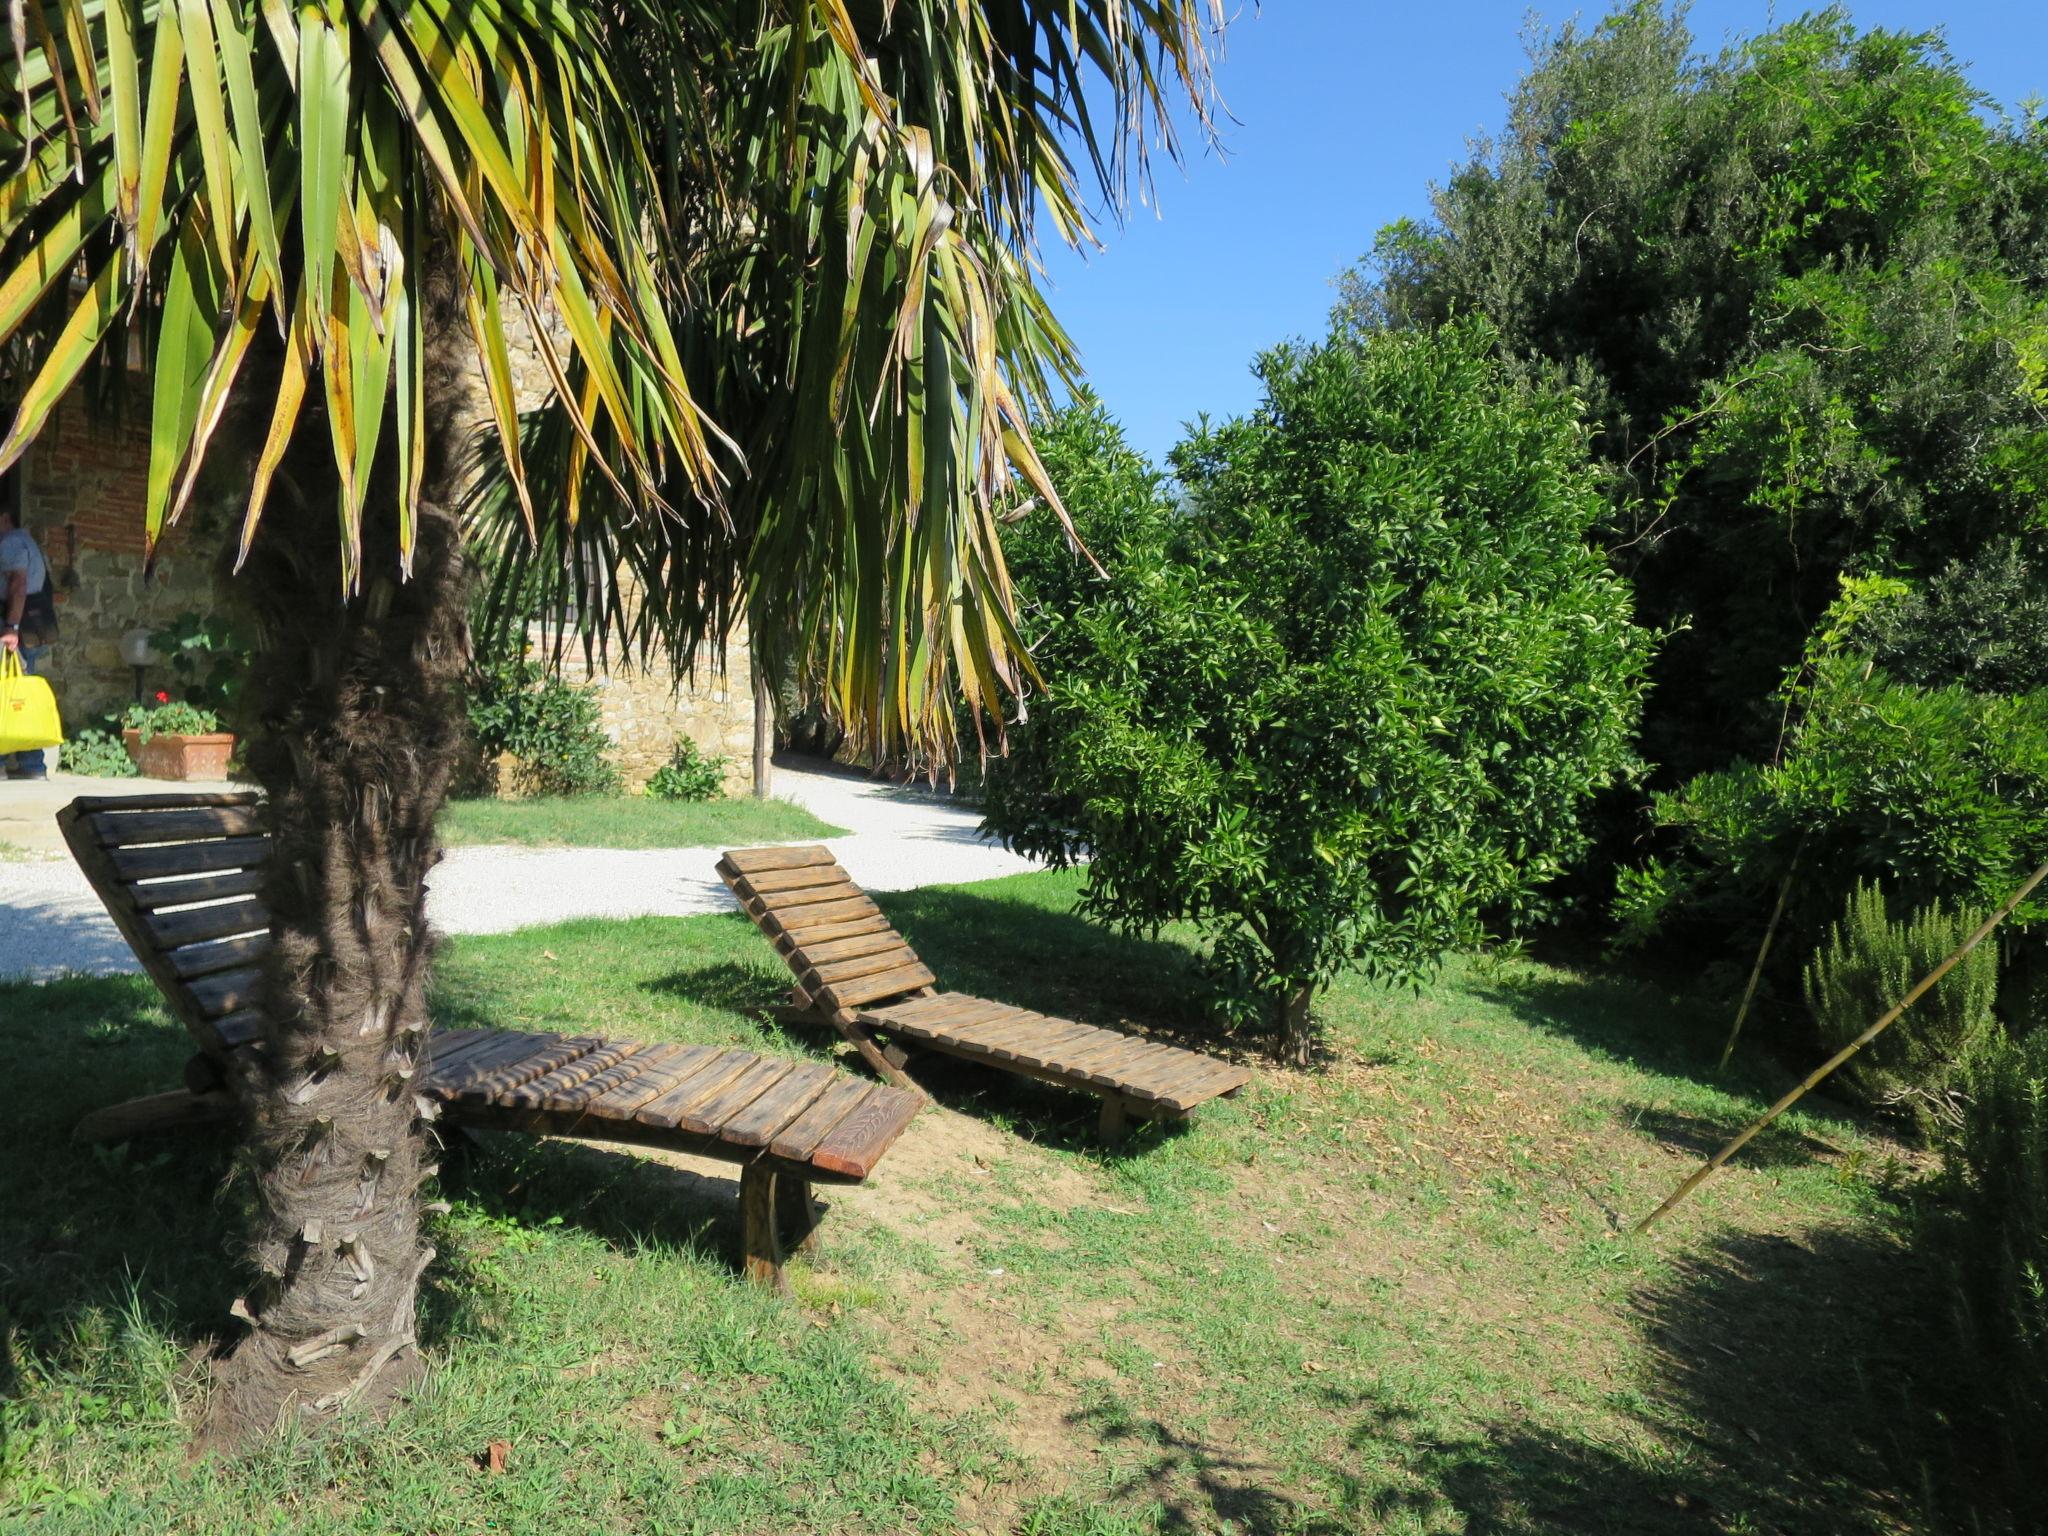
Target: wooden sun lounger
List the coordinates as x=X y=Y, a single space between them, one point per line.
x=181 y=874
x=855 y=972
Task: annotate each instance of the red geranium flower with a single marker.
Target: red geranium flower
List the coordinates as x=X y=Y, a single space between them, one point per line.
x=162 y=697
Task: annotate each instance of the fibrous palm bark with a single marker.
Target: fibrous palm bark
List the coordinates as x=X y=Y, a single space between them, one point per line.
x=355 y=738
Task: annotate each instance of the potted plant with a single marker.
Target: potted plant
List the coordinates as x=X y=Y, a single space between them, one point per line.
x=176 y=740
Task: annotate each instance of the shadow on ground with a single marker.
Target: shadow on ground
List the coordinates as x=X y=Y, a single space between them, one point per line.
x=1604 y=1014
x=1796 y=1386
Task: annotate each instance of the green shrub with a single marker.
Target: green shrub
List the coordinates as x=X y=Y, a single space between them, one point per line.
x=99 y=754
x=1999 y=1162
x=551 y=727
x=208 y=655
x=1868 y=964
x=689 y=774
x=1350 y=697
x=1940 y=792
x=170 y=717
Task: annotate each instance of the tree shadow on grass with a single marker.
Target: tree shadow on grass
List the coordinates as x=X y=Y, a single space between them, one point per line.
x=1796 y=1385
x=89 y=1233
x=1606 y=1016
x=1802 y=1386
x=617 y=1194
x=1779 y=1145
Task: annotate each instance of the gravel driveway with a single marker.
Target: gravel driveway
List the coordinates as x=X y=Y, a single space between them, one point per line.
x=51 y=923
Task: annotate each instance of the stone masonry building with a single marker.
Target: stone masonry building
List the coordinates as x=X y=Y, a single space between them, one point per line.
x=80 y=490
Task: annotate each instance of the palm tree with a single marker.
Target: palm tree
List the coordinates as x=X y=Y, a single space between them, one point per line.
x=775 y=254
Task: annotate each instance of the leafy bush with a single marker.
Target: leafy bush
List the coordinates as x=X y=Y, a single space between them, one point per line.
x=689 y=774
x=170 y=717
x=1940 y=794
x=1868 y=964
x=1348 y=698
x=1800 y=281
x=207 y=654
x=550 y=727
x=100 y=754
x=1982 y=622
x=1999 y=1159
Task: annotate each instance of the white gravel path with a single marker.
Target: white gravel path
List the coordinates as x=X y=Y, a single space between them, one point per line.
x=51 y=923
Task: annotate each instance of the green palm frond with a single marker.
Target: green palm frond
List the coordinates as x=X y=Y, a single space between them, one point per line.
x=776 y=256
x=219 y=165
x=856 y=241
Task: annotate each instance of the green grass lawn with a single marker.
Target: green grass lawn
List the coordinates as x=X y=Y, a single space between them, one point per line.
x=1392 y=1296
x=630 y=821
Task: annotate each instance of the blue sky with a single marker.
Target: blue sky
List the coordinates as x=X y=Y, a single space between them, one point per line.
x=1345 y=111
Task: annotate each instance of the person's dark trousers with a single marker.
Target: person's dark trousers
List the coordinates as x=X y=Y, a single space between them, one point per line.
x=27 y=765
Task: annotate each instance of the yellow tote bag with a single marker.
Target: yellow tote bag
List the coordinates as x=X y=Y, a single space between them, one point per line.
x=28 y=710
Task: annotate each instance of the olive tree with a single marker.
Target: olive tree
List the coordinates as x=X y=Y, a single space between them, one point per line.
x=1341 y=703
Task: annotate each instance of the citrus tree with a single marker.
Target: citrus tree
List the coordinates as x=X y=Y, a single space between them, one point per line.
x=1344 y=700
x=771 y=253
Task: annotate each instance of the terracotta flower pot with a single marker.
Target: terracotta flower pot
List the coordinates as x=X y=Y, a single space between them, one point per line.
x=168 y=756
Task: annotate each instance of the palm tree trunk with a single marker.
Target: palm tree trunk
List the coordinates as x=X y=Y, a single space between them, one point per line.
x=355 y=740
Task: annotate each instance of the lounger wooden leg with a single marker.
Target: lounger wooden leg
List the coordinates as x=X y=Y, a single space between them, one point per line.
x=796 y=1214
x=1115 y=1120
x=179 y=1110
x=863 y=1040
x=760 y=1243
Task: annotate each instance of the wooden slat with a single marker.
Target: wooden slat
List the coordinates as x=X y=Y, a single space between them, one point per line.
x=654 y=1072
x=853 y=1146
x=664 y=1112
x=831 y=972
x=1011 y=1035
x=867 y=989
x=168 y=800
x=1114 y=1064
x=798 y=919
x=707 y=1116
x=456 y=1073
x=1098 y=1044
x=1042 y=1043
x=756 y=1125
x=807 y=934
x=1179 y=1072
x=796 y=1141
x=155 y=895
x=544 y=1091
x=444 y=1043
x=925 y=1012
x=125 y=829
x=195 y=925
x=225 y=991
x=500 y=1065
x=777 y=885
x=239 y=1029
x=1221 y=1078
x=195 y=960
x=885 y=941
x=797 y=908
x=446 y=1050
x=750 y=861
x=189 y=858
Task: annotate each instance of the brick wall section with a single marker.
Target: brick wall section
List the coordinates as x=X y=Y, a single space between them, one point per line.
x=83 y=497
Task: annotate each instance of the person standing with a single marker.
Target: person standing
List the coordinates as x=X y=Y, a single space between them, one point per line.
x=28 y=618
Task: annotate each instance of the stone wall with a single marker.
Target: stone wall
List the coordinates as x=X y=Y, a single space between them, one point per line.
x=82 y=495
x=83 y=498
x=644 y=710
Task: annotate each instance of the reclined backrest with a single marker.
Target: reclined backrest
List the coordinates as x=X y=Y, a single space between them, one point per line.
x=844 y=952
x=179 y=874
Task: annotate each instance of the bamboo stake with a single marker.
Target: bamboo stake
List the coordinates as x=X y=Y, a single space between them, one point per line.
x=1834 y=1061
x=1756 y=971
